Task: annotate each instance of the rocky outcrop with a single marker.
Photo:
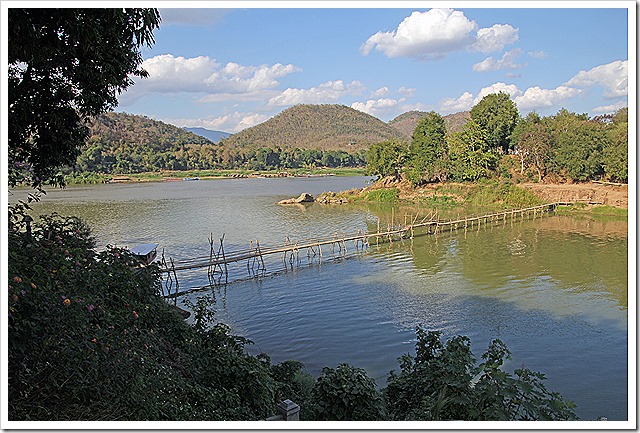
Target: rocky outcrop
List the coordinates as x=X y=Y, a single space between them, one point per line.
x=303 y=198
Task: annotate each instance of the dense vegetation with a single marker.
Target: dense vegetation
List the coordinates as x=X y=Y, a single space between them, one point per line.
x=497 y=143
x=91 y=339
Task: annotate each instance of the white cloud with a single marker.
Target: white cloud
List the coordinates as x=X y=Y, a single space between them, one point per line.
x=452 y=105
x=495 y=38
x=510 y=89
x=610 y=108
x=507 y=62
x=537 y=98
x=330 y=91
x=612 y=77
x=531 y=99
x=169 y=74
x=433 y=34
x=377 y=107
x=424 y=35
x=537 y=54
x=382 y=91
x=232 y=123
x=407 y=91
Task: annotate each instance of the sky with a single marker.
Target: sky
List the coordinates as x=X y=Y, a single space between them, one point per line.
x=229 y=69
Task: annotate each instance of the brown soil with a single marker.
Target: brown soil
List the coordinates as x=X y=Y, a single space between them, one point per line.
x=591 y=193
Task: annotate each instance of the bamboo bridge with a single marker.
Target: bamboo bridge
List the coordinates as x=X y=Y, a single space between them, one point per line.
x=218 y=261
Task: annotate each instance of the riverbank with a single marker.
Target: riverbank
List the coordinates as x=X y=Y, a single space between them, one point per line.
x=180 y=175
x=598 y=198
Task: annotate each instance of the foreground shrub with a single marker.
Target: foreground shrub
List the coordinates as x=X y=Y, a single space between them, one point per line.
x=442 y=382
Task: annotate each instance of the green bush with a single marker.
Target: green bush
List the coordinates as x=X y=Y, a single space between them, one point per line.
x=442 y=382
x=385 y=195
x=346 y=393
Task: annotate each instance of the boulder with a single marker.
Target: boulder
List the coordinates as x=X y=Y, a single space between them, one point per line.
x=305 y=197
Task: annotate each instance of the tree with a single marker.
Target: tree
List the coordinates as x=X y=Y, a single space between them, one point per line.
x=65 y=66
x=497 y=115
x=579 y=143
x=428 y=150
x=533 y=144
x=470 y=154
x=442 y=382
x=615 y=154
x=386 y=158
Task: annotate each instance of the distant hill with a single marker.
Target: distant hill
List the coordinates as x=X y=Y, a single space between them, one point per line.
x=214 y=136
x=323 y=127
x=406 y=122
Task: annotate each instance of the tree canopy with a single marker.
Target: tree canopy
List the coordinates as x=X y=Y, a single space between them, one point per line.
x=66 y=65
x=497 y=114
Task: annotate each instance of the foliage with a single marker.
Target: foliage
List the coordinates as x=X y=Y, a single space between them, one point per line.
x=428 y=150
x=346 y=393
x=442 y=382
x=385 y=195
x=66 y=65
x=90 y=339
x=615 y=152
x=497 y=115
x=386 y=158
x=533 y=144
x=470 y=154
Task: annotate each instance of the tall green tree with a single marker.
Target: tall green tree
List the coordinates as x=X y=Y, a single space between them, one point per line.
x=65 y=66
x=470 y=153
x=497 y=115
x=428 y=150
x=386 y=158
x=615 y=154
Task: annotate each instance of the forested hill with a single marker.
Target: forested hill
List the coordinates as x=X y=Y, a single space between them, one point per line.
x=126 y=143
x=321 y=127
x=406 y=122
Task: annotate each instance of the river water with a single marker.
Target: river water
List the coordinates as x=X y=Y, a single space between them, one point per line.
x=553 y=289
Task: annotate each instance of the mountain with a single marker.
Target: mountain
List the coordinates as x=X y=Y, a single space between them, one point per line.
x=214 y=136
x=323 y=127
x=406 y=122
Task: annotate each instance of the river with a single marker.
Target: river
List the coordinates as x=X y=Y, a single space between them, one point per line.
x=554 y=290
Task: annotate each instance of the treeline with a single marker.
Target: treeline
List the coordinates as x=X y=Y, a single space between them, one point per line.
x=497 y=142
x=127 y=157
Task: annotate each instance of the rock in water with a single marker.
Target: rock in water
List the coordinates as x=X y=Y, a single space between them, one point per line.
x=305 y=197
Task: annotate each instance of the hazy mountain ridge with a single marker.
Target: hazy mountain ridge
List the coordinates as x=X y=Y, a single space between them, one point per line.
x=214 y=136
x=406 y=122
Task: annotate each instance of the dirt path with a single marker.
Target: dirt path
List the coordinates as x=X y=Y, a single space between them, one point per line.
x=593 y=193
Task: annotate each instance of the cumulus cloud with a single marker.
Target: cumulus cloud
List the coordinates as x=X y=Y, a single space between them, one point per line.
x=330 y=91
x=377 y=107
x=495 y=38
x=382 y=91
x=612 y=77
x=610 y=108
x=424 y=35
x=431 y=35
x=463 y=103
x=506 y=62
x=510 y=89
x=537 y=98
x=170 y=74
x=531 y=99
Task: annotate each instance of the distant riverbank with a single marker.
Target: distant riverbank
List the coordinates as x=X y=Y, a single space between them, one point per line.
x=187 y=175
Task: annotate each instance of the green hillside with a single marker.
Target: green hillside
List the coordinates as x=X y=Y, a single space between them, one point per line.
x=321 y=127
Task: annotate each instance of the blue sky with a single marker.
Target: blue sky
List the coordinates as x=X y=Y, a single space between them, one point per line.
x=229 y=69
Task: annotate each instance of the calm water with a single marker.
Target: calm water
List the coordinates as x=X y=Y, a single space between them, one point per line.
x=554 y=290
